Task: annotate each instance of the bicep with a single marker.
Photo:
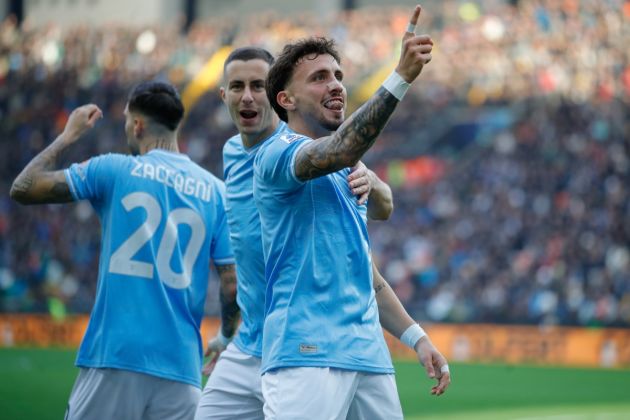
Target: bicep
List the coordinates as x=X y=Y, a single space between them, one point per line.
x=45 y=187
x=318 y=158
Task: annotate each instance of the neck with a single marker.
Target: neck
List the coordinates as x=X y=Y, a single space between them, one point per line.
x=163 y=143
x=251 y=140
x=307 y=126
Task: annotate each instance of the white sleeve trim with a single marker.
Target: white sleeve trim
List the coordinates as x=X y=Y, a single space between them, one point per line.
x=73 y=190
x=224 y=261
x=292 y=169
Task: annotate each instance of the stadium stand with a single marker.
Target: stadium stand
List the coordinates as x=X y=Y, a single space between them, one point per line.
x=510 y=160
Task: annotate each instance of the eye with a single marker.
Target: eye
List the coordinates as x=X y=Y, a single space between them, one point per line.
x=319 y=77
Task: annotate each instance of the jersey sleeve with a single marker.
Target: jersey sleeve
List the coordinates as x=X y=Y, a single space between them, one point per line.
x=89 y=180
x=275 y=164
x=220 y=249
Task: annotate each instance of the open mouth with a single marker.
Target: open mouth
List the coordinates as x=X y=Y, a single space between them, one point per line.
x=248 y=114
x=334 y=104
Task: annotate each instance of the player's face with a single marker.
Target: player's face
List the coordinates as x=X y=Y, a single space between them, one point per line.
x=245 y=97
x=132 y=141
x=318 y=91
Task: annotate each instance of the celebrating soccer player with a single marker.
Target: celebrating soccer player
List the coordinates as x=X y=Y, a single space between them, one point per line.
x=162 y=220
x=234 y=388
x=323 y=348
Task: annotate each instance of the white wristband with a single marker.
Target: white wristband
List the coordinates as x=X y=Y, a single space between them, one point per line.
x=223 y=339
x=396 y=85
x=411 y=336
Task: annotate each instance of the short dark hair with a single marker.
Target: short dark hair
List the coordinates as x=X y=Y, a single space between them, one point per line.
x=158 y=101
x=249 y=53
x=281 y=71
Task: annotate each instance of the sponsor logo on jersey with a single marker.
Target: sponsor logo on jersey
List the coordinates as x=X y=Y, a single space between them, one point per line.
x=308 y=348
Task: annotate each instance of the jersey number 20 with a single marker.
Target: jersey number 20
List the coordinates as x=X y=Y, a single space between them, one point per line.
x=121 y=261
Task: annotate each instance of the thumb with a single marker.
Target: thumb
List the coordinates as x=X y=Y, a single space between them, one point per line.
x=428 y=366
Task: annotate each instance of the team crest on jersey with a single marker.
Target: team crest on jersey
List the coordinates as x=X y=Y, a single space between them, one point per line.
x=290 y=138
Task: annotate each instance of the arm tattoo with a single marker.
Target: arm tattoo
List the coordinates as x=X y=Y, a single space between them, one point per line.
x=379 y=287
x=346 y=146
x=230 y=312
x=37 y=183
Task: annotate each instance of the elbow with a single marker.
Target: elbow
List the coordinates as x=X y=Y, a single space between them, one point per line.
x=18 y=194
x=384 y=212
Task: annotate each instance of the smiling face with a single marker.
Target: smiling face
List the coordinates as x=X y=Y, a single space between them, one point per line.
x=245 y=97
x=316 y=94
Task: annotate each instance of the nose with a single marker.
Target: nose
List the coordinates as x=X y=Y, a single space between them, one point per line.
x=335 y=87
x=247 y=95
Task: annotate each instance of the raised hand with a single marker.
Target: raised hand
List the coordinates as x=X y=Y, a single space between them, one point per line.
x=81 y=120
x=415 y=52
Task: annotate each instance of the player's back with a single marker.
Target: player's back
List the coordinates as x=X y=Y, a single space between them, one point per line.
x=163 y=219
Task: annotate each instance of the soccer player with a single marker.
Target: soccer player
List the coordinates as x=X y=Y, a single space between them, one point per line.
x=234 y=389
x=162 y=220
x=324 y=355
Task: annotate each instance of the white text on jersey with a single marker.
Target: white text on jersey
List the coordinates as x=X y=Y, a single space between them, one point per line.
x=170 y=178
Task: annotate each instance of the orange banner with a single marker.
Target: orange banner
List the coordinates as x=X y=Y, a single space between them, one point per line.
x=607 y=347
x=573 y=346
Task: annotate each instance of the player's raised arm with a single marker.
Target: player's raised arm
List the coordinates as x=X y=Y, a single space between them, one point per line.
x=39 y=182
x=395 y=320
x=356 y=135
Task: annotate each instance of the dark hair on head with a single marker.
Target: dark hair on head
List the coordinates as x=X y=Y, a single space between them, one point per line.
x=249 y=53
x=158 y=101
x=282 y=71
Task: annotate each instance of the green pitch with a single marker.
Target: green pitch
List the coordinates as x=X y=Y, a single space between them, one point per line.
x=35 y=384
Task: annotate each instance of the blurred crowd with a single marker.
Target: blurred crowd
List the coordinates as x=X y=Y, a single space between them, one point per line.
x=529 y=223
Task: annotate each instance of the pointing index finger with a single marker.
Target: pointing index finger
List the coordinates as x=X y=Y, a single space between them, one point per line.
x=411 y=28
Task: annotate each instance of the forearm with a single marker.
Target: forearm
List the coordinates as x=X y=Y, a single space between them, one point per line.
x=230 y=312
x=381 y=202
x=348 y=144
x=37 y=183
x=393 y=316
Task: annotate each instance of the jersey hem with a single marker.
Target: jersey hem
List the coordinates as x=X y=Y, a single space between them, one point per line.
x=328 y=364
x=244 y=349
x=186 y=380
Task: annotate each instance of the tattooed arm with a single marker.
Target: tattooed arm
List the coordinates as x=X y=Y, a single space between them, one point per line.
x=230 y=315
x=230 y=312
x=39 y=182
x=345 y=147
x=357 y=134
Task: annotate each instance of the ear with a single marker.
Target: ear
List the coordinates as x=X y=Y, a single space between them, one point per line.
x=139 y=127
x=285 y=100
x=222 y=93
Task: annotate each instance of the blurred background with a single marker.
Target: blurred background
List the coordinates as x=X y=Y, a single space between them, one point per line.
x=509 y=158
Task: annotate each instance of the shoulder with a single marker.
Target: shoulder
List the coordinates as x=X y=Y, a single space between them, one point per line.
x=233 y=145
x=280 y=144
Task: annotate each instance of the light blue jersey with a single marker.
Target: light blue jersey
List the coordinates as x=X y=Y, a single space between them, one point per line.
x=320 y=304
x=242 y=215
x=162 y=221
